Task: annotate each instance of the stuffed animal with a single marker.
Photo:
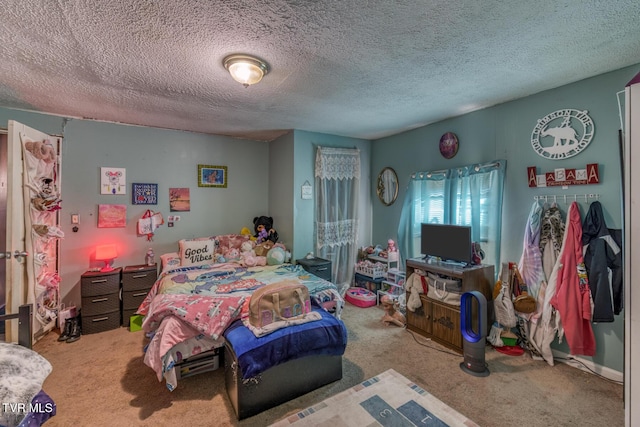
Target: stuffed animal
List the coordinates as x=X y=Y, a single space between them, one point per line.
x=265 y=223
x=415 y=286
x=247 y=246
x=246 y=232
x=248 y=256
x=287 y=254
x=232 y=255
x=276 y=256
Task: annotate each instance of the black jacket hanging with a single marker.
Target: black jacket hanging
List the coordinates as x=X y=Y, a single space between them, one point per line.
x=603 y=251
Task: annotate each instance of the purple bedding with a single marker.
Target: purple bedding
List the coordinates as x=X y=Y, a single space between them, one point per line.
x=255 y=355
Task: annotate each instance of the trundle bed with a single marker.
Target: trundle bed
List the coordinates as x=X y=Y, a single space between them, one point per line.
x=196 y=316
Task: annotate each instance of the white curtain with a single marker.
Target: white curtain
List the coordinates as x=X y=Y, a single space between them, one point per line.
x=337 y=180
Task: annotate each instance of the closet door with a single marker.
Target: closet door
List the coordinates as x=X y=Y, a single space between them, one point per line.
x=632 y=253
x=31 y=255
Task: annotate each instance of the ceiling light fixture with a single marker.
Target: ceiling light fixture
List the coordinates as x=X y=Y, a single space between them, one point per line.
x=245 y=69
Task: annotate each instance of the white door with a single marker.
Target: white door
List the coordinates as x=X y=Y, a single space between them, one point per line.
x=21 y=273
x=631 y=255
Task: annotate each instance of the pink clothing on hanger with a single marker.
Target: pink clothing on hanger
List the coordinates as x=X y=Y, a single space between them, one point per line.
x=572 y=298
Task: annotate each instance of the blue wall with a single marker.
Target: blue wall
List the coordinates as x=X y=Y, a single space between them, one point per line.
x=504 y=132
x=167 y=158
x=305 y=147
x=259 y=186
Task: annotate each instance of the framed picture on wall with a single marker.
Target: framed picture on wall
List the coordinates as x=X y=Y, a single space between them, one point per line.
x=179 y=200
x=112 y=216
x=145 y=194
x=212 y=176
x=113 y=181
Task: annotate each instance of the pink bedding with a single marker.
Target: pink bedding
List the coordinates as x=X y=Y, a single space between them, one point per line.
x=200 y=302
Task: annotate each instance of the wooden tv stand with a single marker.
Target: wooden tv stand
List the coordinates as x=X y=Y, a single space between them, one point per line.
x=439 y=321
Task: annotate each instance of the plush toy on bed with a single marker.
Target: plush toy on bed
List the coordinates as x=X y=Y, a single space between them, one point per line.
x=246 y=232
x=248 y=256
x=276 y=256
x=263 y=227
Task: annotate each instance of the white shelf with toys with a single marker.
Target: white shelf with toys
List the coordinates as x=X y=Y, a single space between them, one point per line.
x=393 y=285
x=392 y=260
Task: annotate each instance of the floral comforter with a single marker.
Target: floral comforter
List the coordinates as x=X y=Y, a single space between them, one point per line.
x=206 y=299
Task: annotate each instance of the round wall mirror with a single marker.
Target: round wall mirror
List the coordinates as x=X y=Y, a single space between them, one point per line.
x=387 y=186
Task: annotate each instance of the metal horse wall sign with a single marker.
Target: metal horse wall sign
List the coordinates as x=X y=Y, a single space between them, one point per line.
x=554 y=137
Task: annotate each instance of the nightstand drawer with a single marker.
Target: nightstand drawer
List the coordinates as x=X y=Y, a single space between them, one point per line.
x=139 y=277
x=100 y=283
x=99 y=304
x=133 y=299
x=100 y=322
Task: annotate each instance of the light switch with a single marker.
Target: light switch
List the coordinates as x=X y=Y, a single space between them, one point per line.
x=75 y=219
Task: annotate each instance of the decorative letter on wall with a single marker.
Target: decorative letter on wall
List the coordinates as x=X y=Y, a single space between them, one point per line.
x=554 y=137
x=564 y=177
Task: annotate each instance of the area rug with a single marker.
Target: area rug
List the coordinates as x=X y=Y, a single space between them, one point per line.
x=388 y=399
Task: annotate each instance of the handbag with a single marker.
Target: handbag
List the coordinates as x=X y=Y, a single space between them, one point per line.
x=523 y=302
x=149 y=222
x=502 y=304
x=285 y=300
x=444 y=289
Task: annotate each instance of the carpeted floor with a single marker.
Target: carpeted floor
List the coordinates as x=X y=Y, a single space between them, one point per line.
x=101 y=380
x=389 y=399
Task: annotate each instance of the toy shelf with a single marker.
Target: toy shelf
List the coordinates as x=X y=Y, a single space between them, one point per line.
x=393 y=286
x=392 y=261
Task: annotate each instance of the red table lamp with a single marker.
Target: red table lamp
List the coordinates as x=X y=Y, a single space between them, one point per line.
x=106 y=253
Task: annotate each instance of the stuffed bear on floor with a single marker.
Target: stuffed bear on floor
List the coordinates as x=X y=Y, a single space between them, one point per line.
x=263 y=227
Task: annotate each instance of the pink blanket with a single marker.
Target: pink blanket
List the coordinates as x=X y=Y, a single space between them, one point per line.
x=207 y=315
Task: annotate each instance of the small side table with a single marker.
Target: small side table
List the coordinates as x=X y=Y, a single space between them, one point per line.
x=318 y=266
x=100 y=291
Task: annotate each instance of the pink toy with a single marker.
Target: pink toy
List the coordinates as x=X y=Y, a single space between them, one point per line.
x=360 y=297
x=391 y=246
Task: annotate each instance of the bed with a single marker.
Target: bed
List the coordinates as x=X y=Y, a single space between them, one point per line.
x=201 y=309
x=22 y=373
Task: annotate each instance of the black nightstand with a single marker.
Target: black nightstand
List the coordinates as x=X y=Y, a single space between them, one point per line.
x=100 y=291
x=318 y=266
x=137 y=280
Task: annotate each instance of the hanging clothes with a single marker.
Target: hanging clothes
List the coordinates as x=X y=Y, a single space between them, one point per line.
x=601 y=253
x=545 y=321
x=551 y=234
x=530 y=265
x=572 y=297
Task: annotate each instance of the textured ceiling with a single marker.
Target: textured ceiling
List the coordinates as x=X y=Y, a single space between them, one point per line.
x=357 y=68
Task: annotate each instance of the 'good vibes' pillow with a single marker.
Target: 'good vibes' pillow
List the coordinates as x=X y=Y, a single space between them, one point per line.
x=196 y=252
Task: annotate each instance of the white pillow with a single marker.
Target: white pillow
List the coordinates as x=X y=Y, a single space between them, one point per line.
x=196 y=251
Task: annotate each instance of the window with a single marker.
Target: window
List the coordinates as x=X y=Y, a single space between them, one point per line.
x=470 y=195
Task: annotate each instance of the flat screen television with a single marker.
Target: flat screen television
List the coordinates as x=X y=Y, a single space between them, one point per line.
x=447 y=242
